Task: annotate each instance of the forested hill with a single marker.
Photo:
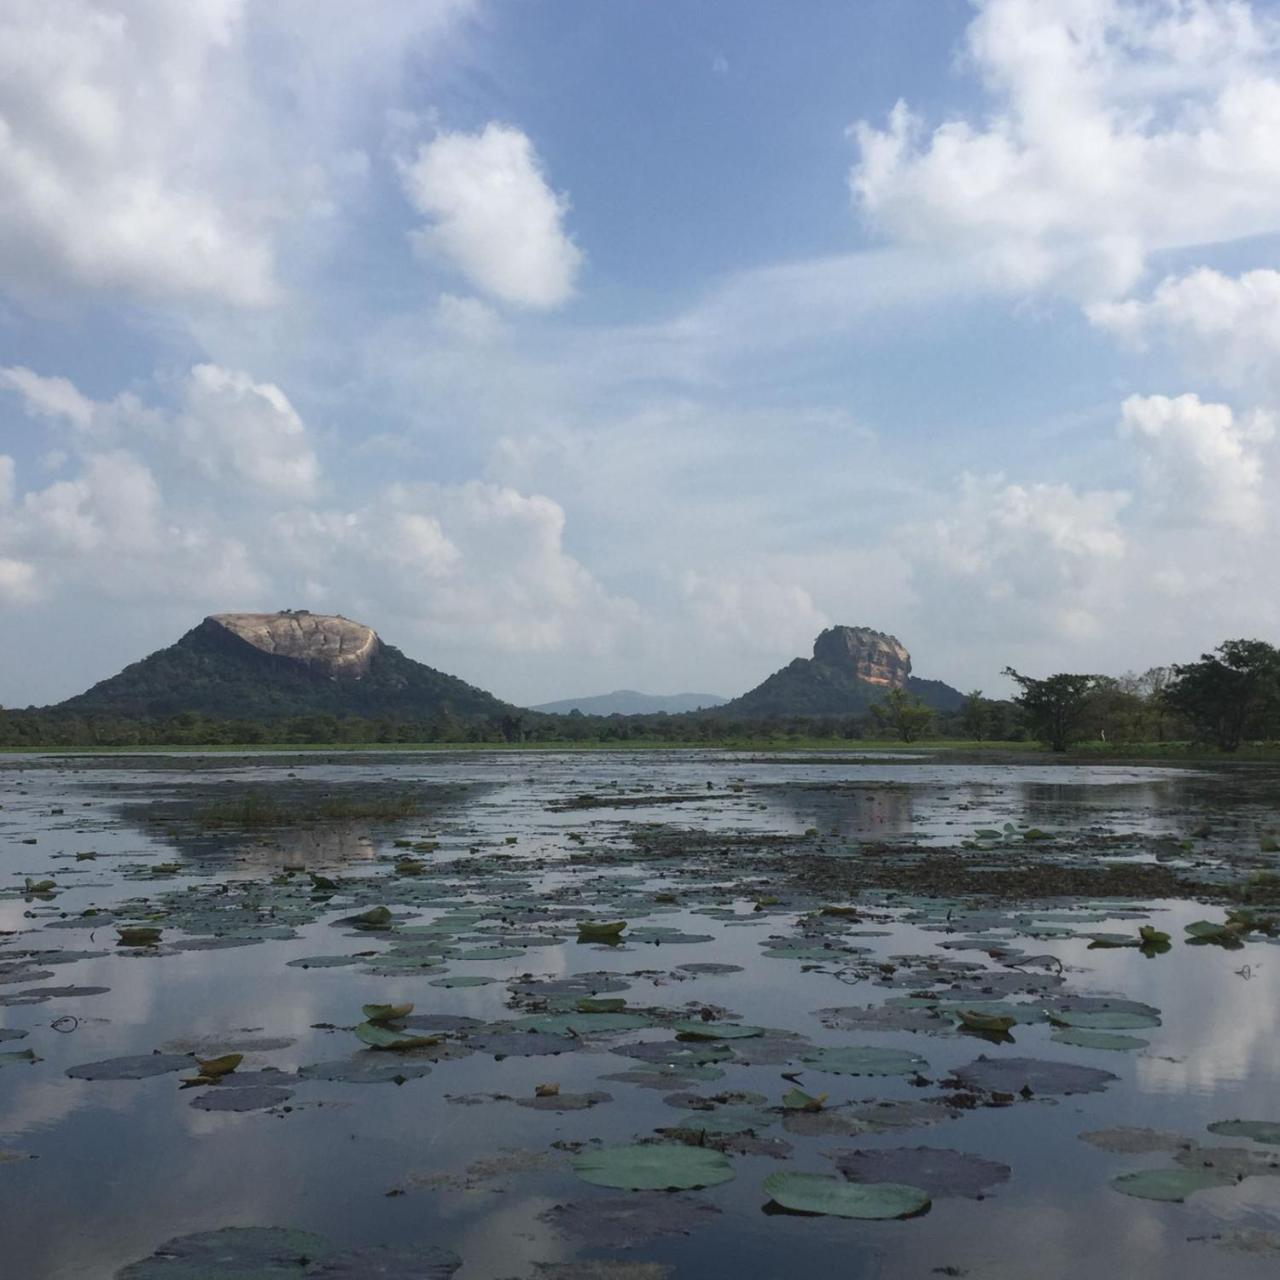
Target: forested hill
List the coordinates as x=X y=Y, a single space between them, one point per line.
x=851 y=669
x=224 y=668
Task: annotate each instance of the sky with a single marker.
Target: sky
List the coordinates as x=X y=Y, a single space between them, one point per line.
x=575 y=346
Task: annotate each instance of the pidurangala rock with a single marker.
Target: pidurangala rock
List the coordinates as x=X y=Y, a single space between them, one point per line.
x=329 y=643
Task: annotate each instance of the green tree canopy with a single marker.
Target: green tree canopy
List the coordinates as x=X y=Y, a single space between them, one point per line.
x=903 y=714
x=1055 y=706
x=1229 y=693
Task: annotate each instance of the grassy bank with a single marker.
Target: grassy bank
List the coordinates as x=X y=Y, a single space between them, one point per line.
x=1012 y=752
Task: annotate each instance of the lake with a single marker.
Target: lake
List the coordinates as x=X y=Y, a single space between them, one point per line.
x=799 y=937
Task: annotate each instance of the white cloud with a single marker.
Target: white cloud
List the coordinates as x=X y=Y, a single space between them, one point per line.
x=493 y=215
x=1228 y=327
x=249 y=430
x=49 y=397
x=752 y=614
x=467 y=318
x=105 y=176
x=1198 y=462
x=160 y=149
x=1118 y=128
x=17 y=581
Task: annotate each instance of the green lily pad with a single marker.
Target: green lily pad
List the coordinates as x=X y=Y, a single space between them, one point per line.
x=461 y=980
x=859 y=1060
x=1102 y=1019
x=1267 y=1131
x=582 y=1024
x=367 y=1067
x=819 y=1193
x=1169 y=1184
x=377 y=1036
x=386 y=1012
x=653 y=1167
x=1084 y=1038
x=715 y=1031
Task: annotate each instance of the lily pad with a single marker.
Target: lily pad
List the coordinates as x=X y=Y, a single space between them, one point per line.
x=820 y=1194
x=622 y=1222
x=138 y=1067
x=936 y=1170
x=386 y=1012
x=715 y=1031
x=1103 y=1019
x=389 y=1262
x=253 y=1098
x=1169 y=1184
x=653 y=1167
x=1010 y=1075
x=1267 y=1131
x=583 y=1024
x=378 y=1036
x=561 y=1102
x=1127 y=1141
x=1083 y=1038
x=368 y=1067
x=859 y=1060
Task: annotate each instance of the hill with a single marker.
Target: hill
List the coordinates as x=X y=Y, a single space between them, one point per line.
x=851 y=668
x=265 y=665
x=627 y=702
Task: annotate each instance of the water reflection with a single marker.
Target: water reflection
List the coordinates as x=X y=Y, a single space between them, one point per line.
x=124 y=1165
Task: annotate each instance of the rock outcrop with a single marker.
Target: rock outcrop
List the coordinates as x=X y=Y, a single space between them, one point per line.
x=332 y=644
x=851 y=668
x=870 y=655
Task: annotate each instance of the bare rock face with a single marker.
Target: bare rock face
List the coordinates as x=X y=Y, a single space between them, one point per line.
x=332 y=644
x=870 y=655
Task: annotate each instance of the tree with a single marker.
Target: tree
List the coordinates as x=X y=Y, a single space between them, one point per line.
x=1229 y=693
x=904 y=714
x=1055 y=707
x=974 y=715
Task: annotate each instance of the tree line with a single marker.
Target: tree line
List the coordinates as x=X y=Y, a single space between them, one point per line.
x=1228 y=697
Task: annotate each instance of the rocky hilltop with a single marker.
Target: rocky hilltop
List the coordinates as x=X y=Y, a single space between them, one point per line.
x=335 y=645
x=851 y=668
x=291 y=663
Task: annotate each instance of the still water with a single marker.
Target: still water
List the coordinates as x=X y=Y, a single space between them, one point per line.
x=487 y=879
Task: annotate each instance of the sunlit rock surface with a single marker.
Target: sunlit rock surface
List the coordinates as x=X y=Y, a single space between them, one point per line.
x=331 y=643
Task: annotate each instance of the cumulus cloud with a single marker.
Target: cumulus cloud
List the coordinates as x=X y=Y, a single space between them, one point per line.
x=459 y=570
x=248 y=430
x=238 y=432
x=1198 y=462
x=1117 y=128
x=55 y=398
x=104 y=181
x=493 y=215
x=755 y=614
x=1226 y=327
x=142 y=150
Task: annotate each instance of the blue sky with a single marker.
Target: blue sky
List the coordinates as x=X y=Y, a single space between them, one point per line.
x=581 y=345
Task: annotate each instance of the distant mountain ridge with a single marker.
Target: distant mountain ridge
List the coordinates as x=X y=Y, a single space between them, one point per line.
x=851 y=668
x=291 y=663
x=628 y=702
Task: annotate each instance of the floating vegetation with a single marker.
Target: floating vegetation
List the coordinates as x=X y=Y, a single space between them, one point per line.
x=653 y=1167
x=522 y=968
x=818 y=1194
